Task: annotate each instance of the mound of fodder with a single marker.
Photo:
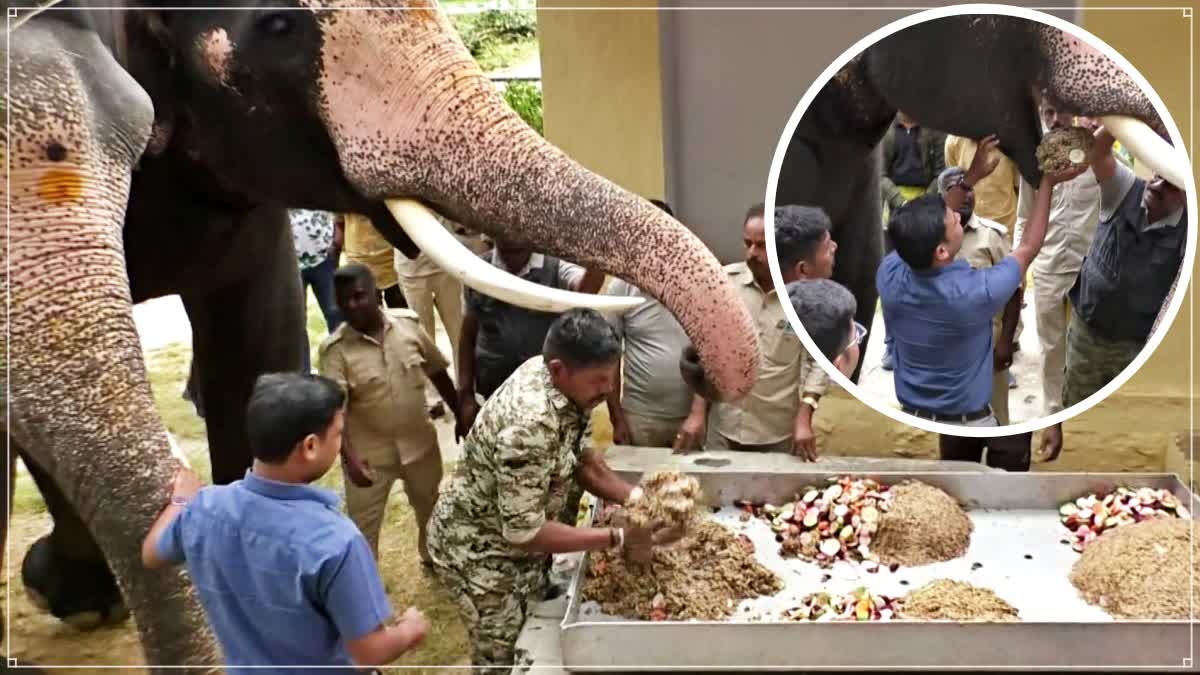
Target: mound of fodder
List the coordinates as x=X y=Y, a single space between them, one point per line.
x=1142 y=571
x=924 y=525
x=955 y=601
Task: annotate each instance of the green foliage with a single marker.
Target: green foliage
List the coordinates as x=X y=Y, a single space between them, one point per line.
x=526 y=99
x=487 y=32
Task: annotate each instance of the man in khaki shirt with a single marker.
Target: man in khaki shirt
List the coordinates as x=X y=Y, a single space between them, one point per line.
x=983 y=246
x=382 y=359
x=364 y=245
x=776 y=416
x=1074 y=213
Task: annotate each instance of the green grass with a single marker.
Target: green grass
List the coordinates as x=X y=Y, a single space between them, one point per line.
x=445 y=642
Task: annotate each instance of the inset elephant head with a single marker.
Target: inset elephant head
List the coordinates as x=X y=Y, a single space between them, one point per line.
x=976 y=74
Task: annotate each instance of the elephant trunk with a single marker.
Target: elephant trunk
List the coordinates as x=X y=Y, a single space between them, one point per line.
x=71 y=324
x=436 y=130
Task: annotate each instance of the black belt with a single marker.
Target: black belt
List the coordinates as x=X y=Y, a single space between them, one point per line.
x=937 y=417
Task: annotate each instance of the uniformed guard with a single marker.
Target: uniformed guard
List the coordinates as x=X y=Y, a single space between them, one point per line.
x=496 y=523
x=382 y=359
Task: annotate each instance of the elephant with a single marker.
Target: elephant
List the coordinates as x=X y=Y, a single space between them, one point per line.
x=992 y=85
x=155 y=151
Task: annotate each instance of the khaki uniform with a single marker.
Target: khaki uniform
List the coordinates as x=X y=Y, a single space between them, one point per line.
x=387 y=422
x=517 y=468
x=995 y=195
x=983 y=246
x=363 y=244
x=1074 y=213
x=764 y=418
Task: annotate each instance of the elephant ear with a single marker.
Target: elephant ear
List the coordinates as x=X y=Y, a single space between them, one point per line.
x=850 y=107
x=143 y=45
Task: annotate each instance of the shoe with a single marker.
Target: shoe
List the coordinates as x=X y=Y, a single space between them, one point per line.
x=437 y=411
x=887 y=361
x=1012 y=380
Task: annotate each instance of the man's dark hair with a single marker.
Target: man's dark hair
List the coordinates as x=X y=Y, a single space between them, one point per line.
x=917 y=228
x=664 y=206
x=284 y=408
x=799 y=230
x=582 y=338
x=825 y=309
x=352 y=273
x=757 y=211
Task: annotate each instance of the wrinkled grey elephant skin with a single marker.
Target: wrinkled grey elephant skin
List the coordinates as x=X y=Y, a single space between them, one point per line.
x=154 y=152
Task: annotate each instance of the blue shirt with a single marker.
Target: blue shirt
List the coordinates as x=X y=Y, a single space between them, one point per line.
x=284 y=577
x=940 y=322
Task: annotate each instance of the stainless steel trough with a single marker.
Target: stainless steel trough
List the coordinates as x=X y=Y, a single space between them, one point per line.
x=1017 y=541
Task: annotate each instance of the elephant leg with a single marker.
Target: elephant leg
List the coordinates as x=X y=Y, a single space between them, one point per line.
x=65 y=572
x=242 y=331
x=860 y=247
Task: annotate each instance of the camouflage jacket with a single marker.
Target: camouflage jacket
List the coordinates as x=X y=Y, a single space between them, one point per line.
x=517 y=468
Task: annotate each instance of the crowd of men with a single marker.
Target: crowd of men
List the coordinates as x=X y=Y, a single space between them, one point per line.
x=287 y=580
x=1100 y=246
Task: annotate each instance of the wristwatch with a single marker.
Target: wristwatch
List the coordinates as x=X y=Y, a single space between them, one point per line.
x=810 y=402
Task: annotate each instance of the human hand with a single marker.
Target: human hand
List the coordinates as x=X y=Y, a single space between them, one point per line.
x=186 y=484
x=360 y=472
x=413 y=622
x=1070 y=173
x=1002 y=355
x=986 y=159
x=641 y=541
x=804 y=441
x=468 y=408
x=691 y=432
x=1052 y=444
x=621 y=433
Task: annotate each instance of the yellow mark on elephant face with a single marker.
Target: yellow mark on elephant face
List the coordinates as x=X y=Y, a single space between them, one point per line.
x=60 y=185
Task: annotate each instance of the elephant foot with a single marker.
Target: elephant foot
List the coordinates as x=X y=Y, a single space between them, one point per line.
x=80 y=593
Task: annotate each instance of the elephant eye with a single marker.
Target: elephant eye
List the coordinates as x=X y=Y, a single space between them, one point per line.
x=276 y=25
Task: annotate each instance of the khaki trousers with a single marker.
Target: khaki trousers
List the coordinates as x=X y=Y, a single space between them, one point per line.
x=1000 y=397
x=653 y=432
x=1053 y=312
x=368 y=506
x=445 y=293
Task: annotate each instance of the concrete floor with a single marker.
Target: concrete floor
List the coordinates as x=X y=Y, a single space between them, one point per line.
x=1024 y=402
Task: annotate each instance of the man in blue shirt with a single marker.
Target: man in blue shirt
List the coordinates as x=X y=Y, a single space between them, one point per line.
x=939 y=310
x=284 y=577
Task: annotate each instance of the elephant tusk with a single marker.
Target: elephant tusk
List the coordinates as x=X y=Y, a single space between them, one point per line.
x=449 y=254
x=1150 y=148
x=177 y=452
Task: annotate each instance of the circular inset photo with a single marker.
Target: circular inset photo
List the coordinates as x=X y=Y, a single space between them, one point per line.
x=1011 y=220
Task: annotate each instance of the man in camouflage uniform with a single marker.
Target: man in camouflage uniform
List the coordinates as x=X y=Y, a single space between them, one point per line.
x=496 y=523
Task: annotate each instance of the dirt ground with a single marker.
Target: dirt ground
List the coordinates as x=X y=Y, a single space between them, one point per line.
x=1118 y=435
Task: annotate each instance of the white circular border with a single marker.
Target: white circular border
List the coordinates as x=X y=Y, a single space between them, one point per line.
x=772 y=188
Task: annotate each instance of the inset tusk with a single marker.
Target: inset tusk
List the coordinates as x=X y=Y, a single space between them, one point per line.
x=1147 y=146
x=449 y=253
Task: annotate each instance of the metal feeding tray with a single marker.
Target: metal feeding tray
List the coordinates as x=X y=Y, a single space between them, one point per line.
x=1016 y=550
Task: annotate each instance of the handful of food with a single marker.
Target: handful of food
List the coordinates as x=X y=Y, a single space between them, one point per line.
x=834 y=523
x=667 y=497
x=861 y=605
x=1063 y=149
x=1092 y=515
